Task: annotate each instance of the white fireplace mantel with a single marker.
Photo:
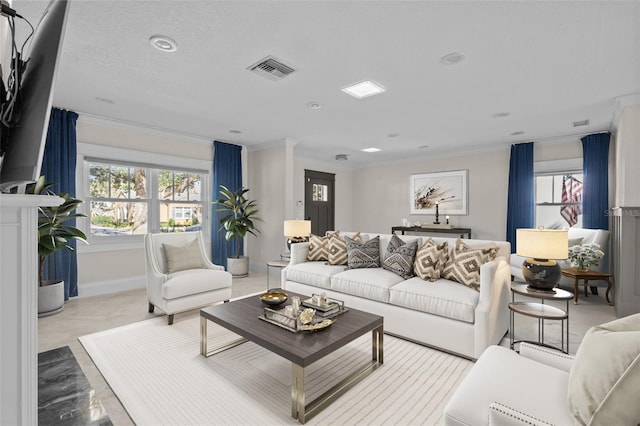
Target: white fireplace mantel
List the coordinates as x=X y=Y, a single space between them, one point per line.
x=19 y=306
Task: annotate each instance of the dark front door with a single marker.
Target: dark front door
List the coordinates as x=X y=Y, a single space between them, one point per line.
x=319 y=204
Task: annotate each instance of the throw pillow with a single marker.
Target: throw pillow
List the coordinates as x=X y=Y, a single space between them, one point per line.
x=604 y=381
x=430 y=260
x=338 y=249
x=179 y=258
x=318 y=248
x=363 y=255
x=464 y=264
x=399 y=257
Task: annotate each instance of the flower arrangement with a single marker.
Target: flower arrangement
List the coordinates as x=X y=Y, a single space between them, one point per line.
x=585 y=256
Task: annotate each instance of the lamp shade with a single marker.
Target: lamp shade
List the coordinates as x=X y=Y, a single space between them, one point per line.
x=542 y=243
x=297 y=228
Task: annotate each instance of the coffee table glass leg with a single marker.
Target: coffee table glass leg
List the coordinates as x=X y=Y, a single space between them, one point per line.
x=297 y=393
x=203 y=336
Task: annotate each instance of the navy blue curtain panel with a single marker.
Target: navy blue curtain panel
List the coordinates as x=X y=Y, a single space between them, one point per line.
x=59 y=166
x=227 y=171
x=595 y=169
x=520 y=201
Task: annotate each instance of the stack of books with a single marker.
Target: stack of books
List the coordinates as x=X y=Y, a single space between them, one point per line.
x=328 y=310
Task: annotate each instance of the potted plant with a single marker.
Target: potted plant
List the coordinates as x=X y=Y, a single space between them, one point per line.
x=237 y=223
x=54 y=234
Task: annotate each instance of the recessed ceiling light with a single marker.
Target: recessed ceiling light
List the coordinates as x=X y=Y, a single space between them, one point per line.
x=237 y=132
x=314 y=105
x=364 y=89
x=501 y=114
x=581 y=123
x=163 y=43
x=393 y=135
x=453 y=58
x=342 y=157
x=370 y=150
x=518 y=133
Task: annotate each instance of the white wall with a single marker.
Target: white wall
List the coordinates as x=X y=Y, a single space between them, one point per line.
x=627 y=146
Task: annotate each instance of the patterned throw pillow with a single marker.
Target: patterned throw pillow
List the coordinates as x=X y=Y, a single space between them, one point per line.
x=464 y=264
x=318 y=248
x=180 y=258
x=363 y=255
x=338 y=248
x=431 y=259
x=399 y=257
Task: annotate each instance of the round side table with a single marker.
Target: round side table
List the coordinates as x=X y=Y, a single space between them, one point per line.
x=540 y=311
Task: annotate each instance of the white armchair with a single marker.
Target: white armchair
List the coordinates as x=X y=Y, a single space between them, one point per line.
x=180 y=276
x=541 y=386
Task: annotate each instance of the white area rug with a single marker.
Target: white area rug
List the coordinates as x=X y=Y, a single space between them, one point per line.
x=159 y=376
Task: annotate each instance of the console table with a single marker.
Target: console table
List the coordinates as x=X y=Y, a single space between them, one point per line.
x=460 y=231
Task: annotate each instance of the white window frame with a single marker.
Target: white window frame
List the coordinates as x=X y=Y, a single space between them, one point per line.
x=569 y=166
x=108 y=154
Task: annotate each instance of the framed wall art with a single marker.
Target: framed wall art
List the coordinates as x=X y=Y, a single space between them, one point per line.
x=448 y=189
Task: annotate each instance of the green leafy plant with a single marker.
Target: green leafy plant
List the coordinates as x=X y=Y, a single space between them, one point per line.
x=240 y=215
x=54 y=233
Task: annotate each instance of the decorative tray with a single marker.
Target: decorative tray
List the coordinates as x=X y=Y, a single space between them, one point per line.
x=308 y=320
x=329 y=308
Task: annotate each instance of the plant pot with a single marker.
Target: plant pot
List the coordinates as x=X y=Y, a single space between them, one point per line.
x=50 y=298
x=238 y=266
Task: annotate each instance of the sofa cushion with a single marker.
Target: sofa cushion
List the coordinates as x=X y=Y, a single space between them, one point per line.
x=604 y=382
x=399 y=257
x=370 y=283
x=363 y=255
x=180 y=258
x=194 y=281
x=313 y=273
x=442 y=297
x=430 y=260
x=318 y=248
x=338 y=248
x=464 y=264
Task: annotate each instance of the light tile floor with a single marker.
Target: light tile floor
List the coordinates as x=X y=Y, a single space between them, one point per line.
x=89 y=315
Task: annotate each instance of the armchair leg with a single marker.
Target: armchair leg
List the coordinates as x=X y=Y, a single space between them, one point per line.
x=225 y=301
x=151 y=307
x=170 y=319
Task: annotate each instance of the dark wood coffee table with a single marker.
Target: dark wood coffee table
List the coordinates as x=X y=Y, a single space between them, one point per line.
x=302 y=349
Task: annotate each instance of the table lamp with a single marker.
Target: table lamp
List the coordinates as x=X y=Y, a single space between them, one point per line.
x=297 y=231
x=542 y=247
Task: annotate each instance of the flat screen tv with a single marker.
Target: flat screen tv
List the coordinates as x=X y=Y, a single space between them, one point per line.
x=26 y=139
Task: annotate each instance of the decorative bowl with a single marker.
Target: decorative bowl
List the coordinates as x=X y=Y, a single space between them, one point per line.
x=274 y=298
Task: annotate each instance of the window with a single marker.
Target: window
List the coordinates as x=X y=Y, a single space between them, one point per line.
x=320 y=192
x=127 y=199
x=558 y=200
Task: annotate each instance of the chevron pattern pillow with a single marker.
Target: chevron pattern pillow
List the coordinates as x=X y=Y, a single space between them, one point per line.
x=464 y=264
x=430 y=260
x=337 y=249
x=399 y=257
x=318 y=248
x=363 y=255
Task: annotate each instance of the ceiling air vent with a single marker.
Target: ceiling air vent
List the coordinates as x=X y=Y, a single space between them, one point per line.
x=271 y=68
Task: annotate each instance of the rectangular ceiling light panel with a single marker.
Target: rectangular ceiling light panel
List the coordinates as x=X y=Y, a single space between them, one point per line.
x=364 y=89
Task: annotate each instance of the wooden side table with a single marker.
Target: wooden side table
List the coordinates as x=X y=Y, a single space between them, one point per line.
x=578 y=275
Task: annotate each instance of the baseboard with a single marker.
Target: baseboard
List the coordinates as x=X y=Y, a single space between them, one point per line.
x=111 y=286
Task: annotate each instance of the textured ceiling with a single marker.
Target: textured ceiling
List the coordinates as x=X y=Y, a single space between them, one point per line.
x=548 y=64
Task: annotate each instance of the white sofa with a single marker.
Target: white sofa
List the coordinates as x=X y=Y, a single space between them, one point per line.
x=587 y=236
x=443 y=314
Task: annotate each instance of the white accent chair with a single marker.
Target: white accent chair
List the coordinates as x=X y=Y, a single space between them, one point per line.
x=588 y=236
x=174 y=292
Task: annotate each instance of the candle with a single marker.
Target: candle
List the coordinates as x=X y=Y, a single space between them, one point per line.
x=447 y=217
